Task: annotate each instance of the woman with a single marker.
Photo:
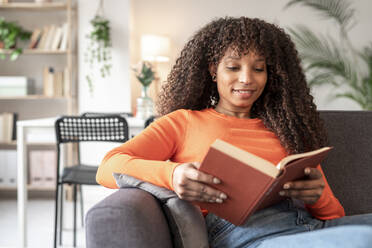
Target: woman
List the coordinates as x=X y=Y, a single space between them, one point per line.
x=240 y=80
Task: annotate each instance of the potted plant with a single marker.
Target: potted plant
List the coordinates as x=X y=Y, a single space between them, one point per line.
x=145 y=75
x=10 y=33
x=98 y=53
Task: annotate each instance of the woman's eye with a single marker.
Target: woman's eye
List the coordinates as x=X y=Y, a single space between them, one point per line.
x=259 y=69
x=233 y=68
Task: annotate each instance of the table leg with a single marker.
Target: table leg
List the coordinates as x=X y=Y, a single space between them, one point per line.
x=22 y=186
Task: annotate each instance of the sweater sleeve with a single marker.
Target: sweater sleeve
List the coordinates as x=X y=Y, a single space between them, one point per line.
x=327 y=207
x=146 y=156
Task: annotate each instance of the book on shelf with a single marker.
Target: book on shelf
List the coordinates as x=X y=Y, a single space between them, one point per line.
x=49 y=37
x=11 y=86
x=56 y=39
x=43 y=1
x=66 y=82
x=251 y=182
x=48 y=81
x=43 y=37
x=3 y=167
x=64 y=37
x=35 y=38
x=54 y=82
x=58 y=84
x=14 y=128
x=43 y=168
x=8 y=168
x=8 y=131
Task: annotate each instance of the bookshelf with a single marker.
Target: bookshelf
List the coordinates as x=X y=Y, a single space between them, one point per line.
x=34 y=6
x=38 y=52
x=31 y=63
x=30 y=97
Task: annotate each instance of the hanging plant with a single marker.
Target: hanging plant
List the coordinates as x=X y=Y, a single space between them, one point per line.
x=10 y=33
x=98 y=53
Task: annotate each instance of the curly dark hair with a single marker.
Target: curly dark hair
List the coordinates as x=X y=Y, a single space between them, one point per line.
x=285 y=106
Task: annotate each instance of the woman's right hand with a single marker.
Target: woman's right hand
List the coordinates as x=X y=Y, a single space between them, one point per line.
x=192 y=185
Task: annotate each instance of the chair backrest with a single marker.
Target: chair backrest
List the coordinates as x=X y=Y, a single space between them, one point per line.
x=108 y=128
x=149 y=120
x=349 y=166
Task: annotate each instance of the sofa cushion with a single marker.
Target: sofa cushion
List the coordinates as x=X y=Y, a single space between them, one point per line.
x=348 y=166
x=186 y=222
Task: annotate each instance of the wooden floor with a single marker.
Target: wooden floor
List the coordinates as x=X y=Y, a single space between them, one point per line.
x=40 y=217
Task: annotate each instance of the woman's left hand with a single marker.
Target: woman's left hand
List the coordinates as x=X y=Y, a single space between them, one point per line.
x=308 y=189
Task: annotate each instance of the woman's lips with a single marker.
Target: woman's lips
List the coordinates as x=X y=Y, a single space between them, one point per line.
x=243 y=92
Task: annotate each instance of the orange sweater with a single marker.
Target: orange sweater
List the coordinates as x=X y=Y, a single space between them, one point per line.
x=185 y=136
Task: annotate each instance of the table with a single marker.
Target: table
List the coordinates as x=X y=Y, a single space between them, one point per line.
x=43 y=129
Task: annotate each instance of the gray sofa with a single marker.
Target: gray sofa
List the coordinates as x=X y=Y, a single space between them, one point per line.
x=134 y=218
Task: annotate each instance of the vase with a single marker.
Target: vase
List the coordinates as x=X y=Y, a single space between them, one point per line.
x=145 y=105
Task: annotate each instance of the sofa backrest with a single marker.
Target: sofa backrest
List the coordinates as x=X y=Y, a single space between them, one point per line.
x=349 y=166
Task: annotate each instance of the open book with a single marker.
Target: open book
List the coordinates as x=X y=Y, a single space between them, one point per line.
x=251 y=182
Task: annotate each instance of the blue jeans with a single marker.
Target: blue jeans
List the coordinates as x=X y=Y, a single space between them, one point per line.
x=287 y=225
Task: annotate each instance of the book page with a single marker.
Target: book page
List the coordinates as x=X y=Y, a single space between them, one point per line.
x=246 y=157
x=293 y=157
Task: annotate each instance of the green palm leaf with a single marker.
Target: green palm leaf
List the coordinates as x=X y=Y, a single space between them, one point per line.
x=366 y=56
x=321 y=78
x=327 y=61
x=338 y=10
x=321 y=55
x=354 y=97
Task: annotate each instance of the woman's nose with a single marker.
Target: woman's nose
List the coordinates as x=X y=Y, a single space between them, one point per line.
x=245 y=77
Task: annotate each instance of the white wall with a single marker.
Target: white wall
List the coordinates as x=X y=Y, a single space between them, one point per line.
x=179 y=19
x=111 y=94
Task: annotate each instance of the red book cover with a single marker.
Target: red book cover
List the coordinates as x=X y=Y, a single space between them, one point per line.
x=250 y=182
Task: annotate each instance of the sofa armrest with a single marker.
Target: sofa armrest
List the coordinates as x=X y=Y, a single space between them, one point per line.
x=129 y=217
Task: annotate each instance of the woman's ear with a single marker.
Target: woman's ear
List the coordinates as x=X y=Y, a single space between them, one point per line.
x=213 y=71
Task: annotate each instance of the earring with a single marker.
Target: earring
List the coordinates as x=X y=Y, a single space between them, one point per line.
x=214 y=78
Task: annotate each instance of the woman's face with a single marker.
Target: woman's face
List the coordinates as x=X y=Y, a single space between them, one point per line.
x=240 y=80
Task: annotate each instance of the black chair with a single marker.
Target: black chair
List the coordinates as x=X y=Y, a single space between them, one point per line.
x=76 y=129
x=149 y=120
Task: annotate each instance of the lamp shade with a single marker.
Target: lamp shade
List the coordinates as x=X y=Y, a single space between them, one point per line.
x=155 y=48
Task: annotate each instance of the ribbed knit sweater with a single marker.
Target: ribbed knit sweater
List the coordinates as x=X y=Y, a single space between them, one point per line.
x=185 y=136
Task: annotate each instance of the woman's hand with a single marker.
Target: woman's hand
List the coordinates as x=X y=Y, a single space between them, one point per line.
x=308 y=190
x=192 y=185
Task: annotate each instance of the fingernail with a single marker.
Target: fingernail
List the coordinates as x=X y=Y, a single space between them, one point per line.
x=281 y=193
x=223 y=196
x=286 y=186
x=216 y=180
x=219 y=200
x=307 y=171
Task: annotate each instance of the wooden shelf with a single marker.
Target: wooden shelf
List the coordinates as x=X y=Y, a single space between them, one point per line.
x=37 y=52
x=39 y=188
x=32 y=97
x=34 y=6
x=8 y=187
x=29 y=187
x=11 y=144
